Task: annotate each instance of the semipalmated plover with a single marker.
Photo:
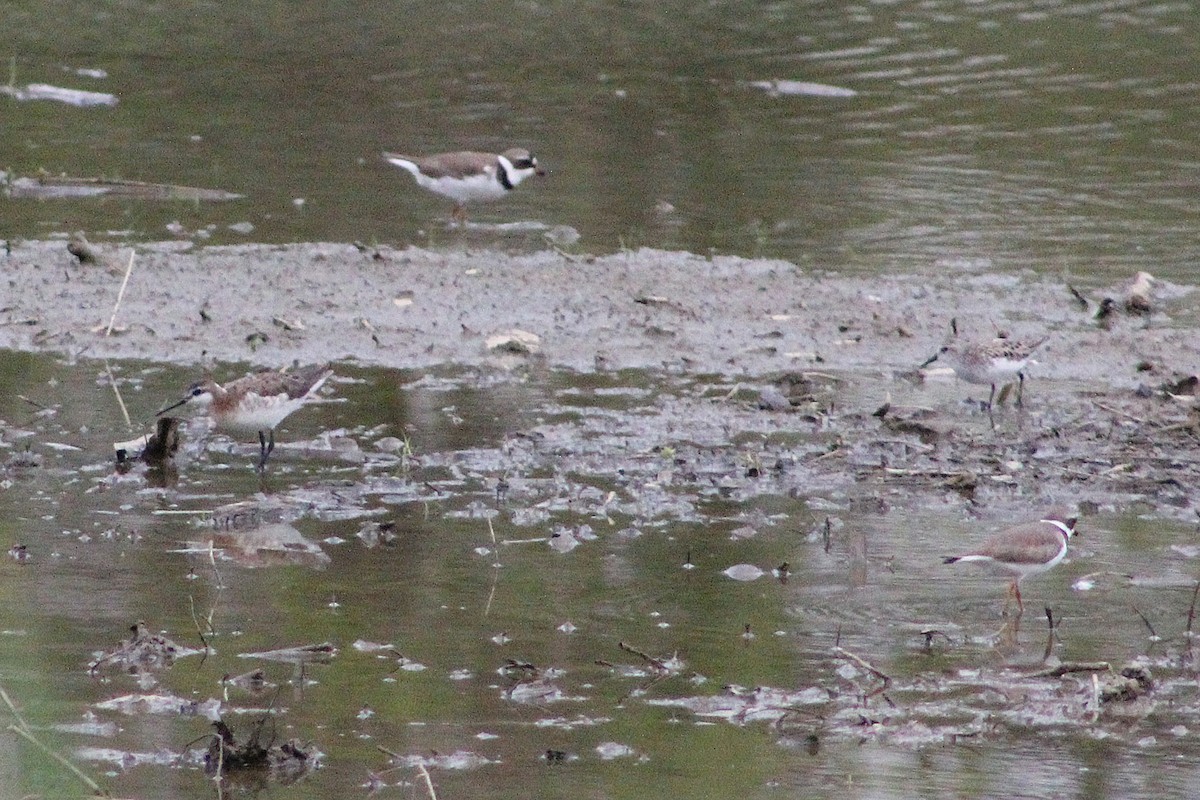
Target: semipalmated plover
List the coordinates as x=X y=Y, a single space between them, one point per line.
x=255 y=403
x=989 y=363
x=469 y=177
x=1024 y=550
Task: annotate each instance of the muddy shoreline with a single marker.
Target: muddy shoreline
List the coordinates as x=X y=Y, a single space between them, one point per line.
x=274 y=305
x=767 y=353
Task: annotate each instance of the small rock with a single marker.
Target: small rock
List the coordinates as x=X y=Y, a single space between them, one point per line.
x=515 y=341
x=771 y=399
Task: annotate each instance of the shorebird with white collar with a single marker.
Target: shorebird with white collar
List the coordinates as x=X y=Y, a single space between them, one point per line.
x=469 y=177
x=1024 y=550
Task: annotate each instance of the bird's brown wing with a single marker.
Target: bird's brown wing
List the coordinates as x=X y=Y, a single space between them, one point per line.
x=456 y=164
x=1034 y=543
x=269 y=383
x=298 y=383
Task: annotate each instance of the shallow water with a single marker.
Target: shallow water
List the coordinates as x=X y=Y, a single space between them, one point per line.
x=583 y=574
x=1055 y=136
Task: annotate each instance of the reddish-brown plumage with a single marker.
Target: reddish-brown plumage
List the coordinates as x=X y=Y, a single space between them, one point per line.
x=256 y=403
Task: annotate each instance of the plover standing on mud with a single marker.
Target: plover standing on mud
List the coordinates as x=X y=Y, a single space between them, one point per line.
x=1024 y=550
x=468 y=176
x=256 y=403
x=992 y=363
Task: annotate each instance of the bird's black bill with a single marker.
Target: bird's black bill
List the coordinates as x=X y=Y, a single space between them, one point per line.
x=171 y=407
x=928 y=361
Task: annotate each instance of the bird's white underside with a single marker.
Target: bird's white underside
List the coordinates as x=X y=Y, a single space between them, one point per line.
x=471 y=188
x=999 y=370
x=257 y=413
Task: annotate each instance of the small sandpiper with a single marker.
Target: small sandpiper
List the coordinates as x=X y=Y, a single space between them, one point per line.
x=468 y=176
x=992 y=363
x=256 y=403
x=1024 y=550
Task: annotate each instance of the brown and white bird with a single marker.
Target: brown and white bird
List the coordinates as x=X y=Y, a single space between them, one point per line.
x=1137 y=294
x=469 y=177
x=256 y=403
x=989 y=363
x=1024 y=550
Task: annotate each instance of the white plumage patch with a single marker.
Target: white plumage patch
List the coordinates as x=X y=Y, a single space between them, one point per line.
x=256 y=413
x=481 y=186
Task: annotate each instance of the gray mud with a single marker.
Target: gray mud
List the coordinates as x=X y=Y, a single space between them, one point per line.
x=273 y=305
x=791 y=381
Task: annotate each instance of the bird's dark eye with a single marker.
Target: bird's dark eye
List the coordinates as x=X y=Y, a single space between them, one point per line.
x=197 y=391
x=525 y=163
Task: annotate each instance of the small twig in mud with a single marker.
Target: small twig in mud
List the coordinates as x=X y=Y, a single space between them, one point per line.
x=1050 y=635
x=220 y=773
x=428 y=781
x=1191 y=617
x=120 y=295
x=826 y=539
x=1072 y=666
x=487 y=608
x=1111 y=410
x=574 y=259
x=492 y=531
x=183 y=751
x=861 y=662
x=212 y=560
x=1146 y=622
x=649 y=659
x=33 y=403
x=836 y=451
x=21 y=728
x=1079 y=298
x=199 y=630
x=117 y=391
x=388 y=753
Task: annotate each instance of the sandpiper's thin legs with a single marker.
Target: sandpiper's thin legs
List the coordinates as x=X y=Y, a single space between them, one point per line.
x=1020 y=389
x=265 y=449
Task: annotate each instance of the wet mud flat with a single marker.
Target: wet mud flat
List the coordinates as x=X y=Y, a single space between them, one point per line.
x=807 y=378
x=729 y=416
